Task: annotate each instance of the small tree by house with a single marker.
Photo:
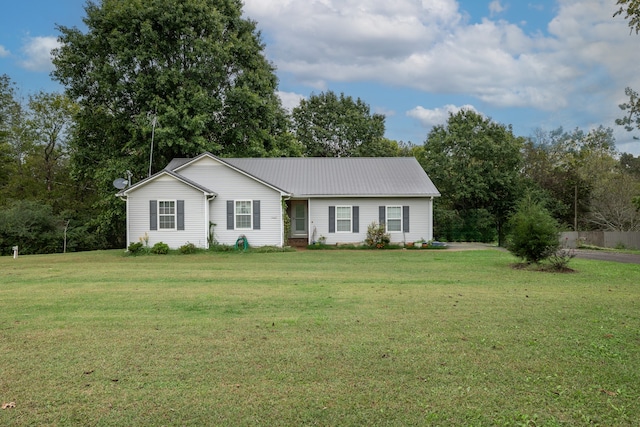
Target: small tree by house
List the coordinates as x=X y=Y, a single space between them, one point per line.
x=377 y=237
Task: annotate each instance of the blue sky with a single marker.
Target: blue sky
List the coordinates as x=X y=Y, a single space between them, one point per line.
x=526 y=63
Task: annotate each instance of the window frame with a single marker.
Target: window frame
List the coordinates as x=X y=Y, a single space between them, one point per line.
x=350 y=219
x=236 y=214
x=161 y=215
x=399 y=218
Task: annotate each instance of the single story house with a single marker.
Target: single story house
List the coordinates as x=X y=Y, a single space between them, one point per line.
x=200 y=199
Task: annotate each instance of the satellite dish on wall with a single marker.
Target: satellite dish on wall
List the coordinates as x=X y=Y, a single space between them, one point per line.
x=120 y=183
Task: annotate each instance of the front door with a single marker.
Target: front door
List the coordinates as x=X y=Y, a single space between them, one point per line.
x=299 y=218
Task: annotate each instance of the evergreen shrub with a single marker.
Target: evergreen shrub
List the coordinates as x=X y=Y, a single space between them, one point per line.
x=160 y=248
x=533 y=232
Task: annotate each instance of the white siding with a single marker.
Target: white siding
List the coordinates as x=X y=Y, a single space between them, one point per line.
x=167 y=188
x=232 y=185
x=420 y=218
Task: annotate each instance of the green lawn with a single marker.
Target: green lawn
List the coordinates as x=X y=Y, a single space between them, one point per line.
x=317 y=338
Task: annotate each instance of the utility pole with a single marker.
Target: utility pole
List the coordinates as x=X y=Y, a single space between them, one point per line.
x=153 y=131
x=575 y=209
x=66 y=227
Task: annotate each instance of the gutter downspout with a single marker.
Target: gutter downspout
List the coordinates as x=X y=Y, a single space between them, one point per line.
x=125 y=199
x=431 y=218
x=310 y=237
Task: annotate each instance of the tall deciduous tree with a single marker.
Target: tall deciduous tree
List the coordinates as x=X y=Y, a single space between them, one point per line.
x=50 y=122
x=475 y=163
x=612 y=207
x=579 y=172
x=631 y=119
x=13 y=138
x=550 y=168
x=190 y=73
x=631 y=108
x=328 y=125
x=630 y=164
x=631 y=11
x=7 y=104
x=6 y=100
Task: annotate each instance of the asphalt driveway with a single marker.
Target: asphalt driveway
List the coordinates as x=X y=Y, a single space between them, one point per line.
x=608 y=256
x=580 y=253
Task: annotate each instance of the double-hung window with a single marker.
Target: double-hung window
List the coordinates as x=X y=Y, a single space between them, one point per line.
x=167 y=214
x=243 y=214
x=394 y=218
x=343 y=219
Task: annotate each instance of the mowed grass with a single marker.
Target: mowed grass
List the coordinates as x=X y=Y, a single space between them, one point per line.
x=317 y=338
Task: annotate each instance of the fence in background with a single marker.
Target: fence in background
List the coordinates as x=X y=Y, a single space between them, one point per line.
x=603 y=239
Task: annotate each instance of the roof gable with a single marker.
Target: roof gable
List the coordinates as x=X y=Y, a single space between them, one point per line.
x=171 y=174
x=179 y=164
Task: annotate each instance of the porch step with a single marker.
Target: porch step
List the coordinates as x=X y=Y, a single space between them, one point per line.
x=298 y=243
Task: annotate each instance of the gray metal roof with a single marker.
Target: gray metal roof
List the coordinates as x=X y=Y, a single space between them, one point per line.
x=346 y=176
x=177 y=162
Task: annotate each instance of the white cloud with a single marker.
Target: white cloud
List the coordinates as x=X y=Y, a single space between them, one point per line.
x=436 y=116
x=495 y=7
x=430 y=46
x=536 y=6
x=4 y=52
x=338 y=32
x=290 y=100
x=572 y=71
x=387 y=112
x=37 y=53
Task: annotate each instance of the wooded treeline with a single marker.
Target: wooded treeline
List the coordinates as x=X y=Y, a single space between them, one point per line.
x=152 y=80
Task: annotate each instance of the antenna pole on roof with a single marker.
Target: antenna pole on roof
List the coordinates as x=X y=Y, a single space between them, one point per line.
x=153 y=131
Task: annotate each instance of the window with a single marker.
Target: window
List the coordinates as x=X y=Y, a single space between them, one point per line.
x=243 y=214
x=394 y=218
x=167 y=214
x=343 y=219
x=300 y=217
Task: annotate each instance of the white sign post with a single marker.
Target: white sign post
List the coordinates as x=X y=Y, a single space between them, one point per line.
x=15 y=252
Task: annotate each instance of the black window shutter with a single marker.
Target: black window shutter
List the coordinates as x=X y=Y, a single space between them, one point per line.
x=256 y=214
x=230 y=221
x=355 y=211
x=153 y=215
x=381 y=215
x=332 y=219
x=405 y=219
x=180 y=212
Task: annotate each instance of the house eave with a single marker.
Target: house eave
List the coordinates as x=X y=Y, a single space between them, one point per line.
x=364 y=196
